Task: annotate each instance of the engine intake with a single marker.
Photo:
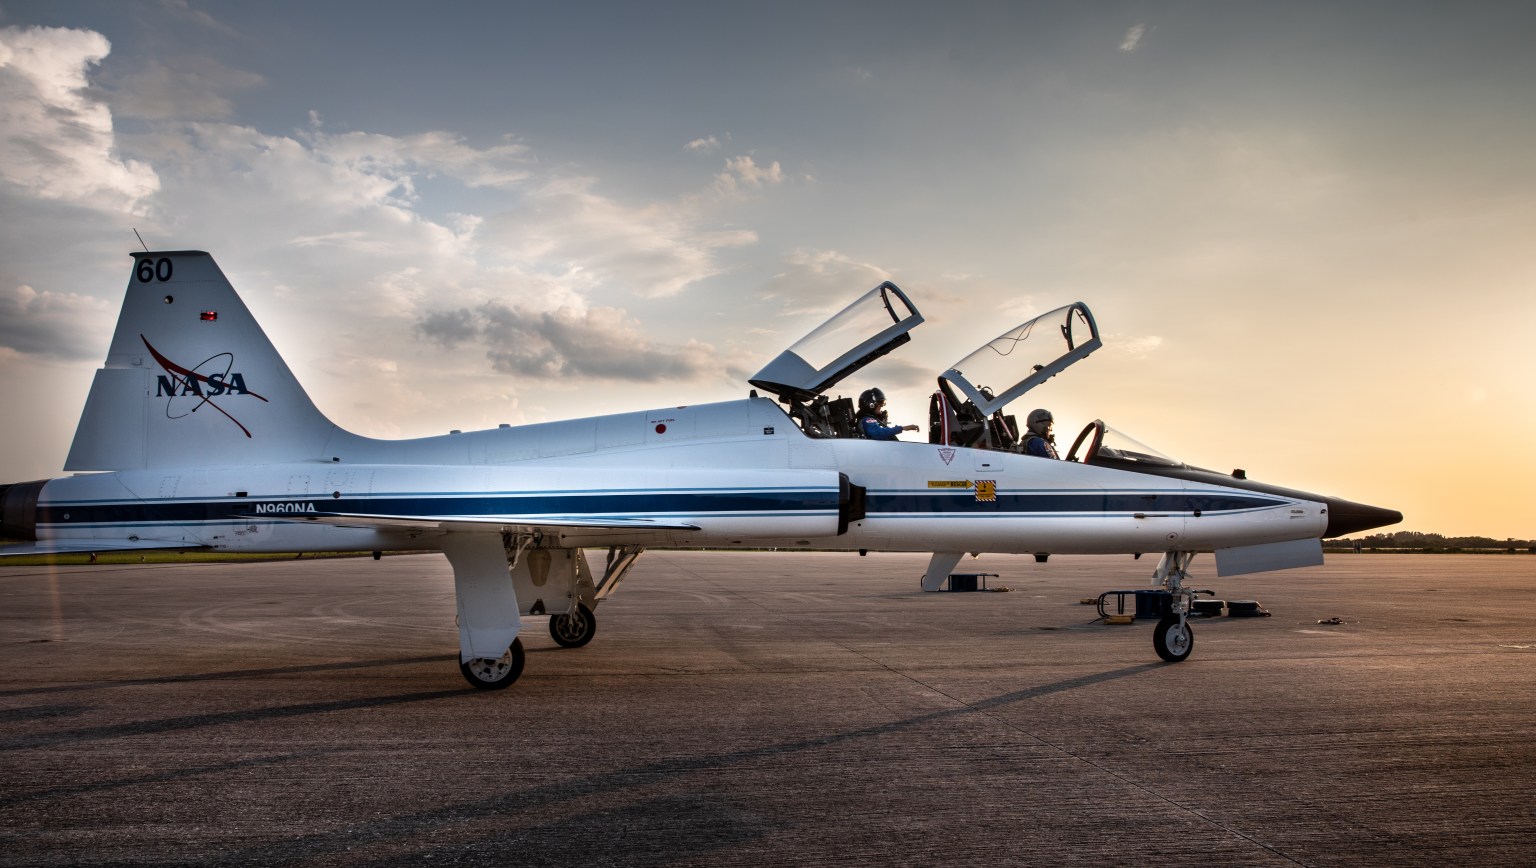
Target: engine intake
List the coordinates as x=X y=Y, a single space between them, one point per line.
x=18 y=509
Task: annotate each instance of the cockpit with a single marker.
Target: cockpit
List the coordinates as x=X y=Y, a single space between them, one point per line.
x=968 y=408
x=968 y=411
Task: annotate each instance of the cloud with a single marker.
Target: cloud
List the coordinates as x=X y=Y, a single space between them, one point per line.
x=652 y=250
x=181 y=9
x=703 y=146
x=437 y=152
x=361 y=193
x=1136 y=348
x=601 y=342
x=821 y=281
x=321 y=226
x=57 y=141
x=55 y=325
x=181 y=87
x=1133 y=38
x=894 y=373
x=744 y=173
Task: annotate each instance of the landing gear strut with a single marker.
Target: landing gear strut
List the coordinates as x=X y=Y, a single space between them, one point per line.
x=1173 y=639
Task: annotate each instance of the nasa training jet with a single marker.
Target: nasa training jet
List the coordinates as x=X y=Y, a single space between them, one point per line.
x=205 y=440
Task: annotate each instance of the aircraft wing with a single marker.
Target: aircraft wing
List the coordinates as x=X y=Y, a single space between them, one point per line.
x=67 y=546
x=487 y=522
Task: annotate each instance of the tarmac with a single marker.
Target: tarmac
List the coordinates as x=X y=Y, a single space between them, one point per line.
x=770 y=709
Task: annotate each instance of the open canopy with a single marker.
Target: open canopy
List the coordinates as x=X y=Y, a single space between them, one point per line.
x=878 y=322
x=1024 y=357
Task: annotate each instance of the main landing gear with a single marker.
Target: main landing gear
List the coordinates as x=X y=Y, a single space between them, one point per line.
x=573 y=629
x=1173 y=639
x=487 y=673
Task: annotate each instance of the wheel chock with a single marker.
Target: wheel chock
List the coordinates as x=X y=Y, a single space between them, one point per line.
x=1119 y=619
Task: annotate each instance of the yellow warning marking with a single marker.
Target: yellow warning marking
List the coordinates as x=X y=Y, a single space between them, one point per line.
x=986 y=489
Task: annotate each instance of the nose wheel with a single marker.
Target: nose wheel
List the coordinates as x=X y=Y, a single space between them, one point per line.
x=1173 y=638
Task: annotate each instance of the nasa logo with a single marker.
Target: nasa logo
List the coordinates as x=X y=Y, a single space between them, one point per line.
x=180 y=382
x=174 y=387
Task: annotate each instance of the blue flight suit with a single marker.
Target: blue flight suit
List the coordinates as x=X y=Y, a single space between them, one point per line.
x=1039 y=447
x=873 y=430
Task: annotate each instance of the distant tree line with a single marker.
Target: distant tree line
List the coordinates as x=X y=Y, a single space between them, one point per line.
x=1412 y=539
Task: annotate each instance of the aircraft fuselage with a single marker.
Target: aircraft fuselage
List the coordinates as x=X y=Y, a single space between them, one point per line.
x=740 y=471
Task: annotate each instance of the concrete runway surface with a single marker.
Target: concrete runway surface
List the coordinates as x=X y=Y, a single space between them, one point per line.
x=770 y=709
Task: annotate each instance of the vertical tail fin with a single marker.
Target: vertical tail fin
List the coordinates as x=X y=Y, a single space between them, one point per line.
x=191 y=379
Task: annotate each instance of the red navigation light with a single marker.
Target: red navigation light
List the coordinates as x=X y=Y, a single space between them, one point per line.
x=208 y=315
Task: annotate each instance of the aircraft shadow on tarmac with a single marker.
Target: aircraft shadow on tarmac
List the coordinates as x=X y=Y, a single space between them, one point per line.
x=194 y=721
x=733 y=824
x=229 y=675
x=157 y=778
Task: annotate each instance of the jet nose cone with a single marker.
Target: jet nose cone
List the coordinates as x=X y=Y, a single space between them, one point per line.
x=1346 y=517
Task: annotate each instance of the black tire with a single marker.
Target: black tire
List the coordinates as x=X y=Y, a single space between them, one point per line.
x=484 y=673
x=1172 y=643
x=573 y=631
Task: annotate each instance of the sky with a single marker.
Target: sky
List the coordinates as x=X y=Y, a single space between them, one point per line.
x=1307 y=230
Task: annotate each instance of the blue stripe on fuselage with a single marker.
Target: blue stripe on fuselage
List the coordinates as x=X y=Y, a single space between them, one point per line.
x=1073 y=502
x=751 y=503
x=597 y=504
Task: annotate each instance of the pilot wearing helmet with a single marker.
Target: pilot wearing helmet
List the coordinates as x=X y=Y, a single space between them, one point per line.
x=1038 y=440
x=872 y=417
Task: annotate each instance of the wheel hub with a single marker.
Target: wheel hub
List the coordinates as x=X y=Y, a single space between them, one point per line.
x=489 y=669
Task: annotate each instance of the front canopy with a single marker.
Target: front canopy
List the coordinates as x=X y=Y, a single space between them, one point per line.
x=875 y=324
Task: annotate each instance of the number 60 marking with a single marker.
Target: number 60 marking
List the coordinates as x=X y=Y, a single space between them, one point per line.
x=150 y=269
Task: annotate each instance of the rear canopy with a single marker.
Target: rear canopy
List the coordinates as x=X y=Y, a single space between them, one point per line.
x=1024 y=356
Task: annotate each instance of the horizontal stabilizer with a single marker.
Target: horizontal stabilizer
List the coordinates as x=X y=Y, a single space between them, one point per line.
x=487 y=522
x=68 y=546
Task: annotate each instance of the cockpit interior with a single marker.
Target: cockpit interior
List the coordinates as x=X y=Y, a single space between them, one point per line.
x=961 y=412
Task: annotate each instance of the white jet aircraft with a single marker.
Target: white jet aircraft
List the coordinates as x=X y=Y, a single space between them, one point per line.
x=207 y=441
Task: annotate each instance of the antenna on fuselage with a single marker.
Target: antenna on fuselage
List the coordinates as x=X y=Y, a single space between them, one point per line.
x=141 y=240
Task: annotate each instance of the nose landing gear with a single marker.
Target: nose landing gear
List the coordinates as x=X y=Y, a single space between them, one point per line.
x=1173 y=639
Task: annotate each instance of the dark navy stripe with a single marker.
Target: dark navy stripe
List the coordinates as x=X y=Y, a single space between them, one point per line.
x=759 y=503
x=1071 y=502
x=766 y=502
